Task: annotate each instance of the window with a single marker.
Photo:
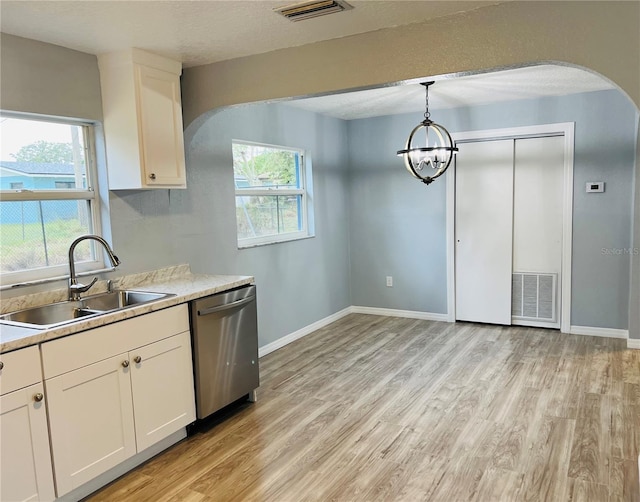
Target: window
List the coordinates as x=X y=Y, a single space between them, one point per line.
x=48 y=192
x=272 y=197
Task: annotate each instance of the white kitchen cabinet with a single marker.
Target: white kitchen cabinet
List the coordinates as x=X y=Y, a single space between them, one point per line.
x=91 y=419
x=116 y=390
x=142 y=120
x=162 y=383
x=25 y=459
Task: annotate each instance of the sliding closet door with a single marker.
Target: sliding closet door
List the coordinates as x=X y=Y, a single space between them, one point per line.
x=537 y=234
x=484 y=231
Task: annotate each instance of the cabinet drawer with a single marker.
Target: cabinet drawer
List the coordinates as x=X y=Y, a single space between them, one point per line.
x=20 y=368
x=75 y=351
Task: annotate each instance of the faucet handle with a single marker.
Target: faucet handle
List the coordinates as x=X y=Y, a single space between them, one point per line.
x=81 y=288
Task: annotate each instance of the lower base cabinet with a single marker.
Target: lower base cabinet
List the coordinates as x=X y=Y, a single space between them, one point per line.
x=91 y=419
x=162 y=385
x=24 y=446
x=105 y=412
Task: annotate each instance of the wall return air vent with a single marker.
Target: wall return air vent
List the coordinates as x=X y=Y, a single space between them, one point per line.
x=307 y=10
x=533 y=297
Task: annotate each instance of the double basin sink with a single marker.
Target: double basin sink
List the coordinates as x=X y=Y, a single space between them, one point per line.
x=55 y=314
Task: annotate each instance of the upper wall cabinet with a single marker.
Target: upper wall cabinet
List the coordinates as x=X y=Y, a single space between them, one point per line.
x=142 y=120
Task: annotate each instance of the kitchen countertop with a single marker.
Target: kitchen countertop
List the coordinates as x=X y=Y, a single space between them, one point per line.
x=175 y=280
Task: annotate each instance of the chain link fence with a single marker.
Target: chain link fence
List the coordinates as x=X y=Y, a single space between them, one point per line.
x=36 y=234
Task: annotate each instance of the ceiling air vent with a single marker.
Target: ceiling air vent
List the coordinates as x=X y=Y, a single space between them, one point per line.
x=307 y=10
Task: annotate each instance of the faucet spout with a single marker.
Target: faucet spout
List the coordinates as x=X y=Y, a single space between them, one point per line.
x=76 y=288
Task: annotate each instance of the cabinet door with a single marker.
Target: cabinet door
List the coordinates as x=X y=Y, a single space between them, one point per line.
x=160 y=127
x=162 y=383
x=91 y=420
x=24 y=451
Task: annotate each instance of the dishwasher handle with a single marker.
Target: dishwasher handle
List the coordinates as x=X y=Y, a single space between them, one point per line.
x=226 y=306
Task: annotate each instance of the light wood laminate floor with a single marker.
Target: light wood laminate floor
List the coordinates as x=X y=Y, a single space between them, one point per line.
x=378 y=408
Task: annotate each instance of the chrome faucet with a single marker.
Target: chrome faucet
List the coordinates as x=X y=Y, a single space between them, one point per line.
x=76 y=288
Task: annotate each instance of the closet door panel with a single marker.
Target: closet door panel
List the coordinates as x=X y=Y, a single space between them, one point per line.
x=537 y=210
x=537 y=230
x=484 y=231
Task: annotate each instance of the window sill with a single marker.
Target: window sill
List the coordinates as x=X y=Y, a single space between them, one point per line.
x=46 y=280
x=270 y=243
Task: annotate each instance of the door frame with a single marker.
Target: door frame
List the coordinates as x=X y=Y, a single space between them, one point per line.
x=565 y=129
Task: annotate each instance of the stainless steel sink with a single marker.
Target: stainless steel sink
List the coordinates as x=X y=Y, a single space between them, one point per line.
x=120 y=299
x=48 y=315
x=55 y=314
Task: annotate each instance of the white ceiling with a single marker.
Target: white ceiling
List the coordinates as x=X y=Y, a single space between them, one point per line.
x=204 y=31
x=197 y=32
x=507 y=85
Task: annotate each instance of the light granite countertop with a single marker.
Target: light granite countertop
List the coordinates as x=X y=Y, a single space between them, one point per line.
x=175 y=280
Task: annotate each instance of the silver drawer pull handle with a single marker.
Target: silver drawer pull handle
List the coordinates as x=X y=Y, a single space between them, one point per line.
x=1 y=365
x=38 y=397
x=125 y=364
x=152 y=176
x=137 y=359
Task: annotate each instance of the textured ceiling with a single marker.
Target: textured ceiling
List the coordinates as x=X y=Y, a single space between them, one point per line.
x=506 y=85
x=203 y=31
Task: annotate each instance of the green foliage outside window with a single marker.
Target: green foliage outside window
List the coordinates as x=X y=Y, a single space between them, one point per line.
x=264 y=179
x=45 y=151
x=262 y=166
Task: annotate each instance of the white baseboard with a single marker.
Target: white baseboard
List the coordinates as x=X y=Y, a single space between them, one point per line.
x=602 y=332
x=633 y=343
x=412 y=314
x=307 y=330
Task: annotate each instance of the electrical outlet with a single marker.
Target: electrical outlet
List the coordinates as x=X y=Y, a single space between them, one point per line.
x=389 y=281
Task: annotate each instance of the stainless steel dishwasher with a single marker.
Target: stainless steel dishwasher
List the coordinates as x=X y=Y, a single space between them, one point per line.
x=225 y=347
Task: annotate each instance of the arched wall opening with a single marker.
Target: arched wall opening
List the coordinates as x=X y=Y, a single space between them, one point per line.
x=601 y=36
x=374 y=212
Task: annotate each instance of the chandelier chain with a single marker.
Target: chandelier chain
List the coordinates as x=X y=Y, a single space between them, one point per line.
x=427 y=115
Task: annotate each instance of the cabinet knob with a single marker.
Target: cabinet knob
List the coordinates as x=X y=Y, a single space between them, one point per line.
x=137 y=359
x=1 y=365
x=125 y=364
x=152 y=176
x=38 y=397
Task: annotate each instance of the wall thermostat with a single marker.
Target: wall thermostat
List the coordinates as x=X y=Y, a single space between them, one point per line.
x=595 y=186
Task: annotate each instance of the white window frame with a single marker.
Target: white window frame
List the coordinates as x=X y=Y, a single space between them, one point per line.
x=57 y=272
x=305 y=174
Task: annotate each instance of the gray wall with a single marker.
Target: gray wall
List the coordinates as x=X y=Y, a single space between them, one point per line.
x=48 y=79
x=299 y=282
x=634 y=303
x=397 y=224
x=406 y=220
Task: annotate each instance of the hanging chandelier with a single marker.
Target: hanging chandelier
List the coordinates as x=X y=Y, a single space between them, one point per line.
x=430 y=161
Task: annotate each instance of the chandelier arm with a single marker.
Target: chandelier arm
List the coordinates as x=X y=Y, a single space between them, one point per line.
x=407 y=156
